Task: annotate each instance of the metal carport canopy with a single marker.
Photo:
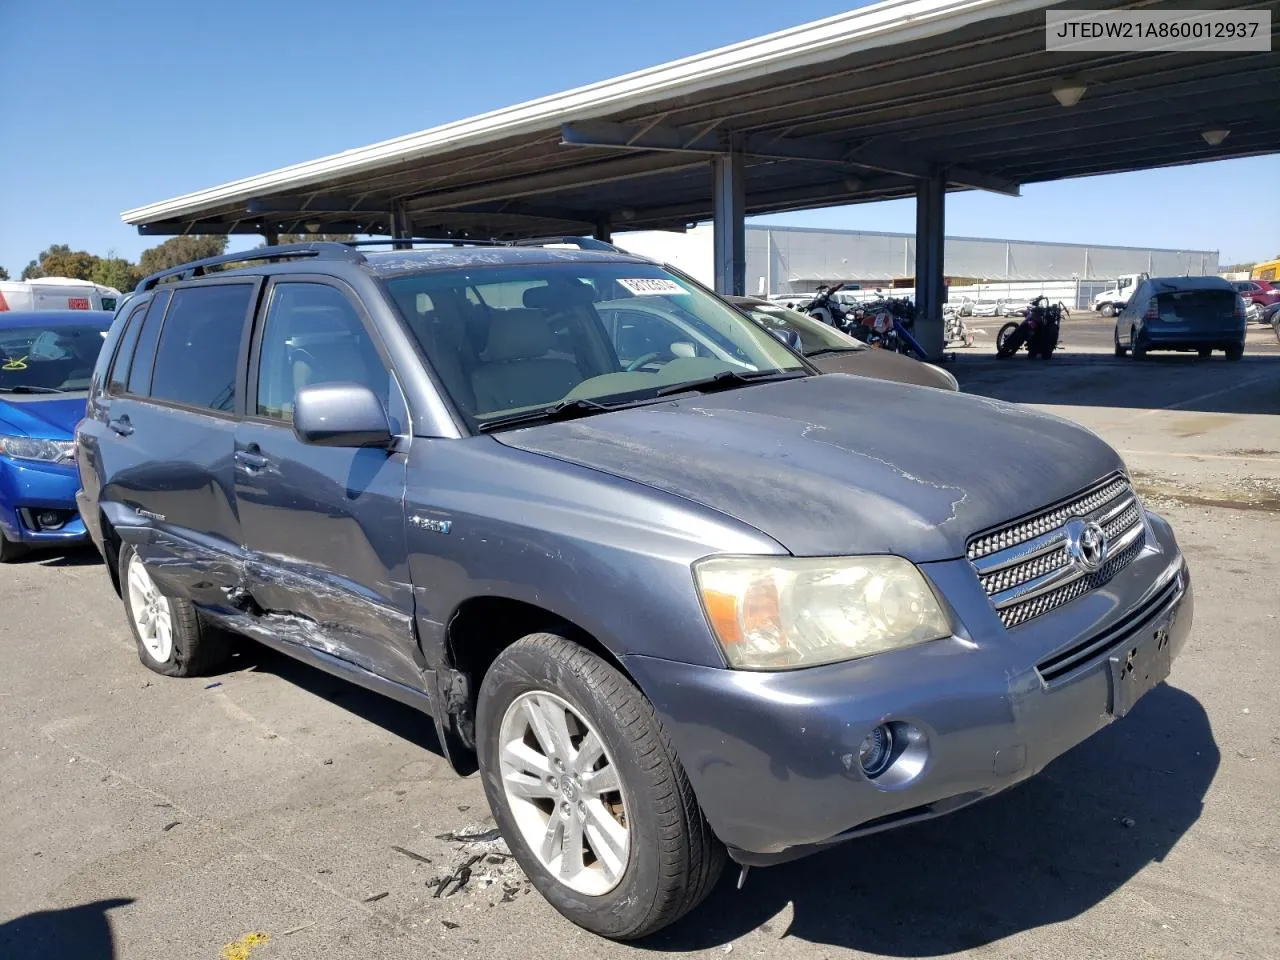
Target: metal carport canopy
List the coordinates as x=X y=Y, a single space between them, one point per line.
x=857 y=107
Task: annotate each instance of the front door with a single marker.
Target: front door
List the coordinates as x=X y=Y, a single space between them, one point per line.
x=324 y=527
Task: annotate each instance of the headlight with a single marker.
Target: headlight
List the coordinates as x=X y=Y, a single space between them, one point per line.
x=779 y=613
x=30 y=448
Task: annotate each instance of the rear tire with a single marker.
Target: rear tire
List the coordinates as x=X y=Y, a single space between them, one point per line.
x=1235 y=351
x=172 y=639
x=1107 y=310
x=670 y=859
x=10 y=551
x=1205 y=352
x=1009 y=340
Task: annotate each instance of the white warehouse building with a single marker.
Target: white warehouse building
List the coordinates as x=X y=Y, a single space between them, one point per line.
x=782 y=260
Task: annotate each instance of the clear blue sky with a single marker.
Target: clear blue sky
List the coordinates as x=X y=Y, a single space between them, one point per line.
x=107 y=109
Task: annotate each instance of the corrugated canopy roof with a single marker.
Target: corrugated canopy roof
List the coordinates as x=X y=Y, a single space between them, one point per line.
x=849 y=109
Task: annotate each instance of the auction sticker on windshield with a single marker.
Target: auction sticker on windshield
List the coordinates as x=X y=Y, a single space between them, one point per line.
x=659 y=287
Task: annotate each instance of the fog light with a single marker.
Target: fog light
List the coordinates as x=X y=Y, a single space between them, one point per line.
x=876 y=751
x=49 y=519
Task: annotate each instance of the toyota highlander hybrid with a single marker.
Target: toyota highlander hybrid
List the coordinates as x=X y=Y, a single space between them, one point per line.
x=671 y=591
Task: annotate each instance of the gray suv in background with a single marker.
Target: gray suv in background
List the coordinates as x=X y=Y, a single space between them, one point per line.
x=675 y=597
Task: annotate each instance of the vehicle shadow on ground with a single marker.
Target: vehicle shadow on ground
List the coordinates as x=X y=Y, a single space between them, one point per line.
x=1040 y=854
x=1180 y=381
x=410 y=725
x=82 y=932
x=78 y=556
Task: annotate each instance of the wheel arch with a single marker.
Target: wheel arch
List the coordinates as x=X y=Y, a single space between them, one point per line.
x=477 y=631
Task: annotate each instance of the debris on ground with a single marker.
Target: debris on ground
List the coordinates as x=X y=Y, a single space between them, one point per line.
x=211 y=686
x=457 y=880
x=1127 y=821
x=410 y=854
x=483 y=862
x=450 y=925
x=170 y=825
x=378 y=896
x=474 y=836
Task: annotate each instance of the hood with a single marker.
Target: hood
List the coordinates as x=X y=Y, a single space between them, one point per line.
x=46 y=417
x=882 y=365
x=835 y=464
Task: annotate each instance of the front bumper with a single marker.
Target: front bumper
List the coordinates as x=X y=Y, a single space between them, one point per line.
x=27 y=487
x=772 y=757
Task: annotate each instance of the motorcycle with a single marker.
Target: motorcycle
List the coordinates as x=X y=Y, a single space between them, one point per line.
x=887 y=323
x=827 y=309
x=954 y=329
x=1038 y=329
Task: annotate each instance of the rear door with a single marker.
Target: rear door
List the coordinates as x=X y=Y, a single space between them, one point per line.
x=166 y=452
x=324 y=527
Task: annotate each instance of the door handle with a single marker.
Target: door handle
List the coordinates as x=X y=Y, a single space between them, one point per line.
x=121 y=425
x=251 y=459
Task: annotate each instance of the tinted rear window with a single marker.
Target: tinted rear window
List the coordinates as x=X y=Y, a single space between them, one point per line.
x=199 y=346
x=124 y=356
x=144 y=356
x=1196 y=304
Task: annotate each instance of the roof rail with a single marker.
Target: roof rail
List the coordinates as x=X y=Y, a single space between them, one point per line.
x=582 y=243
x=324 y=250
x=391 y=241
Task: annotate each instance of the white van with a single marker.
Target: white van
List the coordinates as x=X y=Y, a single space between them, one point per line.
x=57 y=293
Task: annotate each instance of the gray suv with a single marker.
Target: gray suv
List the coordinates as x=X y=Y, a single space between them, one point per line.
x=675 y=598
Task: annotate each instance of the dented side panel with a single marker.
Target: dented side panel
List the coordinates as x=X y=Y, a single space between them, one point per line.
x=324 y=533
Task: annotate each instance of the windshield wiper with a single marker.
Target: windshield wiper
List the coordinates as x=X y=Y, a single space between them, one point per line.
x=826 y=350
x=729 y=380
x=27 y=388
x=564 y=410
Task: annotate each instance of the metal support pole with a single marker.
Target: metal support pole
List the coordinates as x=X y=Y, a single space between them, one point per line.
x=604 y=230
x=271 y=235
x=729 y=204
x=401 y=226
x=930 y=237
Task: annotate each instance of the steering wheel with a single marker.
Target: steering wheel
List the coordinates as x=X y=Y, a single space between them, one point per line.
x=640 y=361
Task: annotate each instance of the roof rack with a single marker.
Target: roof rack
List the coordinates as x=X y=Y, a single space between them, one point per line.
x=347 y=250
x=325 y=250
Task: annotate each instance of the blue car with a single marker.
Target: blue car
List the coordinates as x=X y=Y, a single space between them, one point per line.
x=46 y=360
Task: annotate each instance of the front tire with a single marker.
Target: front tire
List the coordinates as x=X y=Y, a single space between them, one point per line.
x=588 y=791
x=1009 y=339
x=1107 y=310
x=1121 y=350
x=172 y=639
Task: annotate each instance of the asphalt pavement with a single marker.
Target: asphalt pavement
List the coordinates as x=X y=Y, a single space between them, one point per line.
x=275 y=812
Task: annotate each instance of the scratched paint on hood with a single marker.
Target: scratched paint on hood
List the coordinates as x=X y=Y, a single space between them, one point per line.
x=841 y=465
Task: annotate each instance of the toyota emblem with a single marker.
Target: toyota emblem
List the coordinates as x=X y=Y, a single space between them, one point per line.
x=1087 y=544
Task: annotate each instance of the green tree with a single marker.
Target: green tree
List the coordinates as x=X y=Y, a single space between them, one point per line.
x=4 y=274
x=179 y=250
x=113 y=271
x=312 y=237
x=59 y=260
x=76 y=264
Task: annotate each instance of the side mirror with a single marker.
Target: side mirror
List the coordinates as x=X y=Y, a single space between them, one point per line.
x=683 y=348
x=340 y=415
x=789 y=337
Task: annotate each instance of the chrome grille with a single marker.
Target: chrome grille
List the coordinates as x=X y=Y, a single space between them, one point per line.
x=1027 y=568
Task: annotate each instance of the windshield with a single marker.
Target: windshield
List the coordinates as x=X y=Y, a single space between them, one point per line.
x=45 y=359
x=514 y=338
x=815 y=336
